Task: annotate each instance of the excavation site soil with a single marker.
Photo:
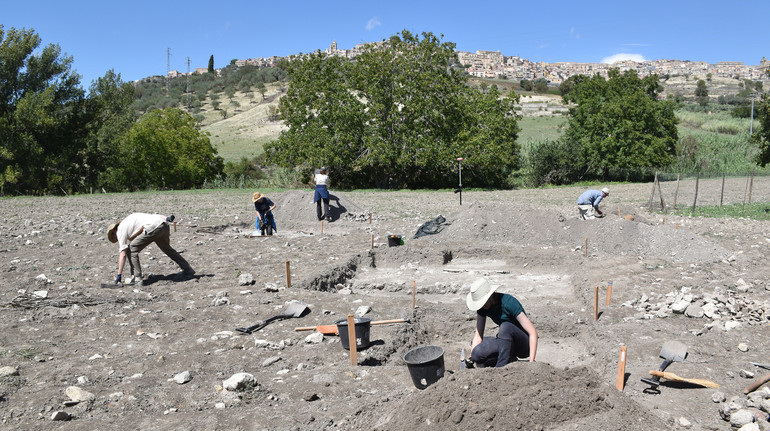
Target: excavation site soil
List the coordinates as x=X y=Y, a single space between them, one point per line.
x=78 y=352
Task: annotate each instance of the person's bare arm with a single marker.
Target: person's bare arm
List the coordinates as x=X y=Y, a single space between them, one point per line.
x=478 y=335
x=131 y=238
x=121 y=261
x=530 y=329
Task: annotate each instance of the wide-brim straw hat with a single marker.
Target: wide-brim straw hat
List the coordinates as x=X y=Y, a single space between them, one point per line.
x=257 y=196
x=111 y=232
x=480 y=292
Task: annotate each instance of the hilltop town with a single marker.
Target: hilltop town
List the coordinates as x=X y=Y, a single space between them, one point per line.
x=493 y=64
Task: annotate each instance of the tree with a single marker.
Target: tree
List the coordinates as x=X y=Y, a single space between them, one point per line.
x=41 y=105
x=761 y=135
x=109 y=116
x=397 y=116
x=526 y=84
x=702 y=93
x=541 y=85
x=620 y=123
x=164 y=148
x=211 y=64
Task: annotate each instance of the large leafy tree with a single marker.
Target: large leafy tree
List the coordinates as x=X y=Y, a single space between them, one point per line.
x=397 y=116
x=762 y=135
x=165 y=148
x=40 y=104
x=619 y=123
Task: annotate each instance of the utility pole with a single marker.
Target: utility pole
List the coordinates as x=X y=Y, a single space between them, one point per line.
x=187 y=90
x=168 y=66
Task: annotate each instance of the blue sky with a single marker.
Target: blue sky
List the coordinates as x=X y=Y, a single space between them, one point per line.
x=132 y=37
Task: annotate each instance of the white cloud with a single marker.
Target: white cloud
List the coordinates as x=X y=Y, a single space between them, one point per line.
x=639 y=58
x=373 y=23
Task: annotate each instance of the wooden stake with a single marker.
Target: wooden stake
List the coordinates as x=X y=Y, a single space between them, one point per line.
x=660 y=192
x=722 y=194
x=621 y=369
x=174 y=226
x=652 y=195
x=664 y=221
x=751 y=186
x=596 y=303
x=352 y=340
x=370 y=218
x=677 y=190
x=585 y=248
x=322 y=227
x=414 y=291
x=695 y=200
x=288 y=274
x=372 y=247
x=745 y=191
x=609 y=293
x=618 y=211
x=677 y=226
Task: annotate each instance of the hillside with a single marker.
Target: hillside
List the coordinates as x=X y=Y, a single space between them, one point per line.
x=247 y=126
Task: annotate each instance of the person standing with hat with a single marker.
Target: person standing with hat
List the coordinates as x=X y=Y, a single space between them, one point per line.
x=516 y=337
x=137 y=231
x=264 y=207
x=322 y=194
x=588 y=203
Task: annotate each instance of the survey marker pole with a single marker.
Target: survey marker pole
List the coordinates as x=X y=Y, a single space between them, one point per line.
x=460 y=188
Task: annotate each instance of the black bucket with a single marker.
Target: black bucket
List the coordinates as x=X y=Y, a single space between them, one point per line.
x=362 y=325
x=426 y=365
x=395 y=240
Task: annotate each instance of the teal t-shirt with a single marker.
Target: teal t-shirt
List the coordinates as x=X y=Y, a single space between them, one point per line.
x=505 y=309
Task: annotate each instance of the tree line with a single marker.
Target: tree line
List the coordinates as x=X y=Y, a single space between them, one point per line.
x=397 y=116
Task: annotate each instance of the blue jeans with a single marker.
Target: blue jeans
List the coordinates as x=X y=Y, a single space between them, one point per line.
x=511 y=343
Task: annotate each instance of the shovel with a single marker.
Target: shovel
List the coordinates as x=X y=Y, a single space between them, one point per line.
x=332 y=329
x=295 y=309
x=674 y=378
x=672 y=351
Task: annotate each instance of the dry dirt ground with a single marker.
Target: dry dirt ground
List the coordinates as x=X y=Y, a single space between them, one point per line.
x=156 y=356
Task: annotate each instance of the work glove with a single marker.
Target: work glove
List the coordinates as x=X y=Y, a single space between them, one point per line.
x=118 y=278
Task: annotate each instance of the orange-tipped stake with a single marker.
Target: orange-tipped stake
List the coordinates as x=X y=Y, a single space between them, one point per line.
x=596 y=303
x=288 y=274
x=414 y=290
x=609 y=293
x=352 y=340
x=621 y=369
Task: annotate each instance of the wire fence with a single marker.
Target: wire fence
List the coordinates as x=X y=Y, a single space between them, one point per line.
x=680 y=191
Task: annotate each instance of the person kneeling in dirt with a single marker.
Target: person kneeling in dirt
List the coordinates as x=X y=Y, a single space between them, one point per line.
x=137 y=231
x=516 y=337
x=265 y=222
x=588 y=203
x=322 y=194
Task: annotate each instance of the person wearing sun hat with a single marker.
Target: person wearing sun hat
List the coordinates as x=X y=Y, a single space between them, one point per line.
x=516 y=336
x=265 y=221
x=588 y=203
x=137 y=231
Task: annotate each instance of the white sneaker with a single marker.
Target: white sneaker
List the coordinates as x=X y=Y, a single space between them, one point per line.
x=135 y=279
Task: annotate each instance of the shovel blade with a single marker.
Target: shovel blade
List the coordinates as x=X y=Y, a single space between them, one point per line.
x=674 y=351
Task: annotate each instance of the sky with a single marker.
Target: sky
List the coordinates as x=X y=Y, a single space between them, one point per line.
x=133 y=38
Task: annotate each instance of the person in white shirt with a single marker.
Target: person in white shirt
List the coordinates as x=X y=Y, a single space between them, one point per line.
x=137 y=231
x=322 y=194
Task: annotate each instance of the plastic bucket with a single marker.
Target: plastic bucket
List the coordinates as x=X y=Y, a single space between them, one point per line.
x=362 y=325
x=426 y=365
x=395 y=240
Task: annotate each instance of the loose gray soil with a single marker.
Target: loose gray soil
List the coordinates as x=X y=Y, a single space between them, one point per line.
x=125 y=344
